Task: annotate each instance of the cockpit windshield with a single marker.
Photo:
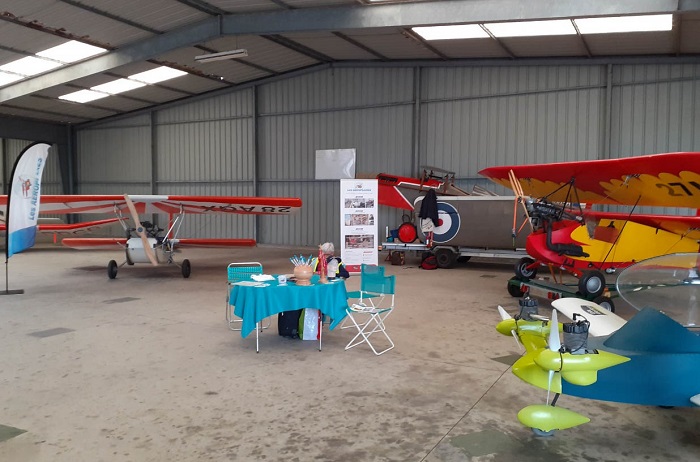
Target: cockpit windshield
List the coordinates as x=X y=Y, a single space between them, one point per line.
x=669 y=283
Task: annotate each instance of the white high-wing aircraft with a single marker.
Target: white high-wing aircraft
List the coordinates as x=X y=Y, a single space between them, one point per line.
x=146 y=242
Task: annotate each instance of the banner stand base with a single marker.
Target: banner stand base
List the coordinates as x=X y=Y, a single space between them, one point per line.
x=12 y=292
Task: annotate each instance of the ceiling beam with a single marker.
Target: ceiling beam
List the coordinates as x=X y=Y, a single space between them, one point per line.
x=439 y=13
x=136 y=52
x=401 y=15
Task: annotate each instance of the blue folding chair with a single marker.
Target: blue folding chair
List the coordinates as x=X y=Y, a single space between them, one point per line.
x=237 y=272
x=369 y=317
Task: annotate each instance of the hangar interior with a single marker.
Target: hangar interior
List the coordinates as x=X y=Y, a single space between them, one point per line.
x=330 y=74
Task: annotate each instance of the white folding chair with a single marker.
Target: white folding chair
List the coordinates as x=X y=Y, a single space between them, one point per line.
x=236 y=272
x=370 y=318
x=363 y=296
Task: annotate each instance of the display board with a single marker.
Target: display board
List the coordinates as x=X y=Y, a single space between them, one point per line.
x=335 y=164
x=358 y=223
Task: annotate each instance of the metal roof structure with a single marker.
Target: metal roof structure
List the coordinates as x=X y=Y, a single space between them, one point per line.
x=287 y=37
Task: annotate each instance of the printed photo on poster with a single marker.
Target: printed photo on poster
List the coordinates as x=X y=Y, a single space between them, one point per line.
x=359 y=241
x=359 y=219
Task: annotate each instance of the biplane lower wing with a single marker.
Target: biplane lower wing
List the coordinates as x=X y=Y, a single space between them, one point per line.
x=111 y=243
x=682 y=225
x=72 y=229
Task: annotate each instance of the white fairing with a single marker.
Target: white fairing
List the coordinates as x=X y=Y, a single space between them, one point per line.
x=603 y=322
x=135 y=250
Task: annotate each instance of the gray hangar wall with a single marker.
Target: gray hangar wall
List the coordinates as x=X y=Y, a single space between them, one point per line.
x=10 y=150
x=262 y=140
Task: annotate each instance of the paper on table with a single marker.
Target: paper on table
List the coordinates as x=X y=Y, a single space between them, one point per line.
x=262 y=277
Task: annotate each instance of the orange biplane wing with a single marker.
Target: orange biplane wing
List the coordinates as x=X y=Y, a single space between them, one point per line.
x=63 y=204
x=661 y=180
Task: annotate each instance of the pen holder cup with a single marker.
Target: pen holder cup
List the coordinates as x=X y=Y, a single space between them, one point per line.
x=302 y=274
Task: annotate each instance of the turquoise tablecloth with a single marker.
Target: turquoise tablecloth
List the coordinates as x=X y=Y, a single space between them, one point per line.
x=254 y=303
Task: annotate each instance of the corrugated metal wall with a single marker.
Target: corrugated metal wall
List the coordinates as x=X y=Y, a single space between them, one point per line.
x=655 y=109
x=263 y=140
x=51 y=176
x=472 y=118
x=370 y=110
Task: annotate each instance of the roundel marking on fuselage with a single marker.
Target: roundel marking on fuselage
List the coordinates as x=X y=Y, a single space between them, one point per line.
x=449 y=223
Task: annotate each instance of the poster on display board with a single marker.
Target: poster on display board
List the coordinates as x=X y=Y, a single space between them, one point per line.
x=358 y=223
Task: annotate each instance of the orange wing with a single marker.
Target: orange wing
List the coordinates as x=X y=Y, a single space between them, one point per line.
x=662 y=180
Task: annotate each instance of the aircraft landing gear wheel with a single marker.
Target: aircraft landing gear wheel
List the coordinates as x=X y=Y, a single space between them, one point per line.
x=606 y=303
x=128 y=259
x=592 y=284
x=112 y=269
x=186 y=268
x=522 y=271
x=539 y=432
x=445 y=258
x=515 y=291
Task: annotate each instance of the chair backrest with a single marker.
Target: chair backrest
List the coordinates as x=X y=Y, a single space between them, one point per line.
x=378 y=283
x=371 y=269
x=243 y=270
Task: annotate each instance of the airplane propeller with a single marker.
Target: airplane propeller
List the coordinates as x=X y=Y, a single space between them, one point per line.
x=520 y=198
x=554 y=344
x=504 y=315
x=140 y=231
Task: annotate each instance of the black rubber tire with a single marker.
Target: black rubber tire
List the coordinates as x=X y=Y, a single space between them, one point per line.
x=464 y=258
x=128 y=259
x=592 y=284
x=112 y=268
x=515 y=291
x=446 y=258
x=521 y=270
x=186 y=268
x=605 y=302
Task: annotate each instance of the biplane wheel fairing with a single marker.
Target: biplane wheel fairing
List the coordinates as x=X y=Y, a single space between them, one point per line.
x=522 y=270
x=112 y=269
x=592 y=284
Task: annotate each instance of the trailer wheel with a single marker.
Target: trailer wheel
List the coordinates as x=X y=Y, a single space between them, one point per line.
x=515 y=291
x=445 y=258
x=592 y=284
x=605 y=302
x=522 y=271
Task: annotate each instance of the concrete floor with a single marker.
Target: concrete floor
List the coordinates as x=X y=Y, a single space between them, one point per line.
x=143 y=368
